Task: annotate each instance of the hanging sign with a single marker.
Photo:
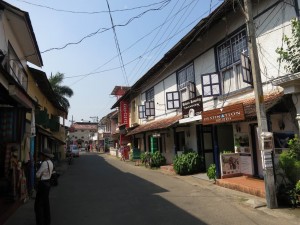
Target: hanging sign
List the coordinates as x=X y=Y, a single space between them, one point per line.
x=224 y=115
x=192 y=107
x=124 y=113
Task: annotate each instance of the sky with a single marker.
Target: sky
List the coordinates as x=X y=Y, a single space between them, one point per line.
x=76 y=38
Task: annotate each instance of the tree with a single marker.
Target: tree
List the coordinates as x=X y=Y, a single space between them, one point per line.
x=291 y=54
x=60 y=91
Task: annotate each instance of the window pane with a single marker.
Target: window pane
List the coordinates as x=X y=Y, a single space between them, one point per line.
x=190 y=73
x=239 y=45
x=181 y=77
x=176 y=104
x=169 y=95
x=170 y=105
x=207 y=91
x=228 y=81
x=214 y=78
x=205 y=79
x=216 y=89
x=176 y=95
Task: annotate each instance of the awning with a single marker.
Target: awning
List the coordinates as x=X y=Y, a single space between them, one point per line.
x=270 y=100
x=156 y=125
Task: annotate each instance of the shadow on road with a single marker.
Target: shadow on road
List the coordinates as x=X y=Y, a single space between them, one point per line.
x=92 y=191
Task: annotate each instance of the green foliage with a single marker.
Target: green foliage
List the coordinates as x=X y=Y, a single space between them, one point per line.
x=144 y=156
x=290 y=166
x=294 y=147
x=157 y=159
x=212 y=172
x=61 y=92
x=297 y=187
x=187 y=163
x=153 y=160
x=291 y=53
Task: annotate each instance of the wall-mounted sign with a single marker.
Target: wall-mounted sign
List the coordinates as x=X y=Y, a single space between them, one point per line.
x=192 y=107
x=124 y=113
x=224 y=115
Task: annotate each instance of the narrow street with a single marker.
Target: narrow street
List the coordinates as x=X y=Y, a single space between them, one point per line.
x=100 y=189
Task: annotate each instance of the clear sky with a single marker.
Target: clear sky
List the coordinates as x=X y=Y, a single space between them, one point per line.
x=145 y=31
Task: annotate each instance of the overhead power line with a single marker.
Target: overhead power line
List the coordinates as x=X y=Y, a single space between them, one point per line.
x=117 y=46
x=102 y=30
x=94 y=12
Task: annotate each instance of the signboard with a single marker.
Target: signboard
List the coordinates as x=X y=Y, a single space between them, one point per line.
x=124 y=113
x=246 y=163
x=230 y=164
x=224 y=115
x=192 y=107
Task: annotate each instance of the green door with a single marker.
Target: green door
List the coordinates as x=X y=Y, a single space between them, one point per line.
x=153 y=144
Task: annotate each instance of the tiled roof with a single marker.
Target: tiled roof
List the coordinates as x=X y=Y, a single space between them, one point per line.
x=270 y=100
x=85 y=126
x=156 y=125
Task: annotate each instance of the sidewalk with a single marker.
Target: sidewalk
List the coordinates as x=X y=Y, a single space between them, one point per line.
x=246 y=199
x=10 y=209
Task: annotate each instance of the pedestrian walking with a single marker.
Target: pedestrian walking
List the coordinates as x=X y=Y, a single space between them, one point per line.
x=43 y=175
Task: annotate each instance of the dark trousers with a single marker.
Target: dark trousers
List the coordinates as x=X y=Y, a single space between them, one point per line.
x=42 y=205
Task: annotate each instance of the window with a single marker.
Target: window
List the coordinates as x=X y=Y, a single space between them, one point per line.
x=210 y=84
x=141 y=111
x=149 y=108
x=229 y=62
x=149 y=104
x=188 y=92
x=173 y=101
x=185 y=75
x=16 y=69
x=150 y=94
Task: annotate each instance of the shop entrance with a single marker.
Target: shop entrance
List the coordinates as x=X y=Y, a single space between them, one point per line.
x=205 y=144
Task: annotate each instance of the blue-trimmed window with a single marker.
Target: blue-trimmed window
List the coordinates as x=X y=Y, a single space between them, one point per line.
x=173 y=100
x=149 y=108
x=229 y=62
x=142 y=112
x=150 y=94
x=186 y=75
x=210 y=84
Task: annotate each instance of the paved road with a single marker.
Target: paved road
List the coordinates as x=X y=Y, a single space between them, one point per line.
x=99 y=189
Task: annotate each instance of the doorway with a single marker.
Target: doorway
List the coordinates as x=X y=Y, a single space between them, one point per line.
x=205 y=144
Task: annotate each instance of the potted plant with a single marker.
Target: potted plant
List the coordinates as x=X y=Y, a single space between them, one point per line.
x=212 y=172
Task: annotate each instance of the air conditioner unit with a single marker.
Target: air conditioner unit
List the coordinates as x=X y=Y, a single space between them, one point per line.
x=187 y=91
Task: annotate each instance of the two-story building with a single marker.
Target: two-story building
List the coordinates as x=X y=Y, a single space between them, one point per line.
x=200 y=95
x=29 y=113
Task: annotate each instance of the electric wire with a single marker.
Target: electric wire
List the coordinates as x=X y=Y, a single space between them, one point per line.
x=93 y=12
x=141 y=56
x=118 y=46
x=161 y=49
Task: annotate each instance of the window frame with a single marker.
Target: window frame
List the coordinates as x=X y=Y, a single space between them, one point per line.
x=185 y=75
x=173 y=100
x=234 y=46
x=149 y=108
x=141 y=109
x=211 y=84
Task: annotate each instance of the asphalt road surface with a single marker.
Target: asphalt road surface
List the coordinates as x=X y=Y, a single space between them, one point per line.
x=100 y=189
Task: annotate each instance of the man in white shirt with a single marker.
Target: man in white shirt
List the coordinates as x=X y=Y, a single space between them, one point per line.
x=43 y=175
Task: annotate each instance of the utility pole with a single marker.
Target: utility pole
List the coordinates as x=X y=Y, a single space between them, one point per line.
x=259 y=102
